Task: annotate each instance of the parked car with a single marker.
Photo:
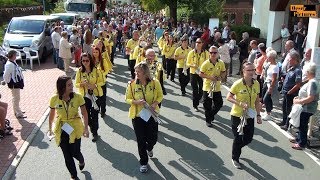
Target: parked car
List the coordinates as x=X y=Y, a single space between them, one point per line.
x=32 y=31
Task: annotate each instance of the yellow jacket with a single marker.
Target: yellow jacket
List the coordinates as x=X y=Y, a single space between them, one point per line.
x=196 y=59
x=151 y=92
x=161 y=42
x=106 y=62
x=95 y=77
x=168 y=50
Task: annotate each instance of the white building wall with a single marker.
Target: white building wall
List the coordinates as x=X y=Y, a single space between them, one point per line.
x=260 y=16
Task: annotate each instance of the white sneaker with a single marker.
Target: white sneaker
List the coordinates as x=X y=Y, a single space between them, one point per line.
x=236 y=164
x=267 y=117
x=150 y=153
x=143 y=168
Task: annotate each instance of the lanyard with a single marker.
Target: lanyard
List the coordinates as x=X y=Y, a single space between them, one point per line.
x=250 y=93
x=144 y=95
x=66 y=108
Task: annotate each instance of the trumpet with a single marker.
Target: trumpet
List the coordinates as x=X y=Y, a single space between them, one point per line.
x=184 y=71
x=243 y=122
x=212 y=89
x=93 y=99
x=154 y=114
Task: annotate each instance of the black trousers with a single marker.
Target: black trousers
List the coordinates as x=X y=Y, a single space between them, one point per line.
x=164 y=62
x=127 y=57
x=92 y=116
x=71 y=151
x=112 y=54
x=240 y=141
x=183 y=79
x=196 y=84
x=102 y=100
x=147 y=136
x=212 y=105
x=171 y=68
x=286 y=108
x=132 y=63
x=161 y=82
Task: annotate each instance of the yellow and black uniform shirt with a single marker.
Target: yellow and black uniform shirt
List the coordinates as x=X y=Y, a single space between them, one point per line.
x=210 y=69
x=106 y=43
x=180 y=51
x=150 y=93
x=168 y=50
x=138 y=54
x=68 y=113
x=196 y=59
x=245 y=94
x=94 y=77
x=106 y=62
x=155 y=68
x=161 y=43
x=131 y=45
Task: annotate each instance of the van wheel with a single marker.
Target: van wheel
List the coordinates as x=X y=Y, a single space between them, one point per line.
x=44 y=55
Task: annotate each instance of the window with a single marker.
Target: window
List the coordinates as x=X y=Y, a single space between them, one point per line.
x=24 y=26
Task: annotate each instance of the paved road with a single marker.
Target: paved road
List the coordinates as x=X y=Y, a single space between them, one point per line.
x=186 y=148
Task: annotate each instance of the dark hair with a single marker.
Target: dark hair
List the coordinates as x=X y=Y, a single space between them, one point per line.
x=233 y=35
x=100 y=57
x=11 y=53
x=83 y=69
x=220 y=40
x=62 y=84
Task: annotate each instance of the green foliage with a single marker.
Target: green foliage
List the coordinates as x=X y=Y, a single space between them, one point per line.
x=153 y=5
x=2 y=27
x=239 y=29
x=57 y=8
x=183 y=13
x=18 y=3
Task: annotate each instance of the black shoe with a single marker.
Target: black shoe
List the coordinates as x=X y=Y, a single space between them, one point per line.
x=164 y=93
x=209 y=124
x=95 y=138
x=172 y=80
x=280 y=123
x=103 y=115
x=284 y=127
x=196 y=109
x=183 y=94
x=81 y=166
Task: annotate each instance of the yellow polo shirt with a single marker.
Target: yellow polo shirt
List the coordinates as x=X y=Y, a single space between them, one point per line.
x=131 y=45
x=211 y=69
x=160 y=43
x=95 y=77
x=151 y=92
x=67 y=113
x=107 y=63
x=180 y=51
x=168 y=50
x=137 y=54
x=244 y=93
x=196 y=59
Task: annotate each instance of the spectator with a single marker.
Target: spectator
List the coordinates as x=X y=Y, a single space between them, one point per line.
x=259 y=62
x=308 y=97
x=224 y=53
x=299 y=35
x=284 y=37
x=76 y=41
x=233 y=49
x=14 y=78
x=226 y=31
x=290 y=89
x=3 y=113
x=65 y=51
x=158 y=32
x=56 y=36
x=254 y=50
x=289 y=46
x=304 y=64
x=270 y=74
x=87 y=37
x=205 y=36
x=243 y=45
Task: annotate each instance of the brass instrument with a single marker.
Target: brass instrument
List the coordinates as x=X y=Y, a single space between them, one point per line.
x=212 y=89
x=154 y=114
x=93 y=99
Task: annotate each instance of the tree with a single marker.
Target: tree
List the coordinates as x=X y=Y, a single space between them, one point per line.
x=157 y=5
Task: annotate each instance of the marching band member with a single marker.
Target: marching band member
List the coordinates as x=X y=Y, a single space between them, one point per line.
x=144 y=94
x=180 y=55
x=89 y=81
x=132 y=43
x=161 y=42
x=168 y=51
x=194 y=60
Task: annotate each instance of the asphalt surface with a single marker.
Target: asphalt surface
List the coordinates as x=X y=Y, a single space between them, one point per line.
x=186 y=148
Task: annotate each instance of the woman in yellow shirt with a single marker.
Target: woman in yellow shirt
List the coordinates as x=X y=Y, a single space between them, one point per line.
x=144 y=94
x=180 y=55
x=101 y=66
x=168 y=51
x=89 y=81
x=244 y=94
x=161 y=42
x=68 y=125
x=194 y=60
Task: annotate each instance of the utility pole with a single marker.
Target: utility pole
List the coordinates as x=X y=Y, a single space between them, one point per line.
x=44 y=6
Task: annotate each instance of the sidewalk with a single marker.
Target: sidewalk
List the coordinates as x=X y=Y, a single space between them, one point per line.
x=39 y=87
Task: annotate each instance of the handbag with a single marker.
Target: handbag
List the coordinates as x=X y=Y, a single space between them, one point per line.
x=234 y=50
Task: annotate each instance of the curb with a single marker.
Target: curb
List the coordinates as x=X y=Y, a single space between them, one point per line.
x=25 y=147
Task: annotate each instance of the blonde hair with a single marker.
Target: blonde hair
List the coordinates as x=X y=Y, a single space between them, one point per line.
x=145 y=69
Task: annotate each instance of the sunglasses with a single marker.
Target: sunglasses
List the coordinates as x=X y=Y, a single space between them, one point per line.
x=213 y=52
x=85 y=60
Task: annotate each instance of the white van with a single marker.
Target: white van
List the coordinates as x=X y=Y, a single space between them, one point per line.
x=30 y=31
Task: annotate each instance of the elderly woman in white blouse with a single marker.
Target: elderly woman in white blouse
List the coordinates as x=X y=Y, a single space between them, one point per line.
x=65 y=50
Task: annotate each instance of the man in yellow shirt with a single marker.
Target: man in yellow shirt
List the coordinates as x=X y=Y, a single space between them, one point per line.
x=132 y=43
x=212 y=70
x=194 y=60
x=180 y=55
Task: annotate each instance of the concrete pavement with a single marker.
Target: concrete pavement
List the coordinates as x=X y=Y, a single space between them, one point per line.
x=186 y=148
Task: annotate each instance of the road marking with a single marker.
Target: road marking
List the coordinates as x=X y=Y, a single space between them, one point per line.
x=288 y=135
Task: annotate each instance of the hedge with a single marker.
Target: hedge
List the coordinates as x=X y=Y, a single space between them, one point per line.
x=239 y=29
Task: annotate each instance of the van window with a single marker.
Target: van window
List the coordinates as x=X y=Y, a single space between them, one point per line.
x=79 y=7
x=23 y=26
x=68 y=20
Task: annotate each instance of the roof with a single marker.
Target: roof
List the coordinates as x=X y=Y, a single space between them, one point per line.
x=64 y=14
x=36 y=17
